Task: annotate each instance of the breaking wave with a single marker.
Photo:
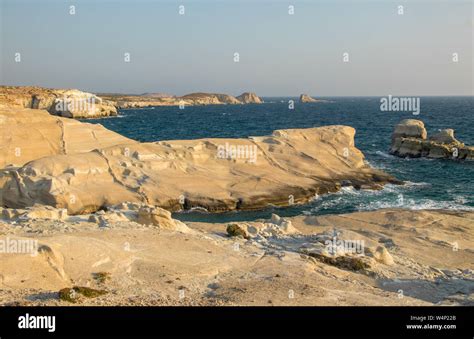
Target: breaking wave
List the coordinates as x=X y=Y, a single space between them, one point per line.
x=391 y=196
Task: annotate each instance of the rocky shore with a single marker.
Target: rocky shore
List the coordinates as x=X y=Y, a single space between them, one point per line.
x=69 y=103
x=288 y=167
x=410 y=139
x=146 y=100
x=72 y=103
x=249 y=98
x=132 y=254
x=85 y=219
x=305 y=98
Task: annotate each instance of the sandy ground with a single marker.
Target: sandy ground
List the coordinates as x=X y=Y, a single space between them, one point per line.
x=432 y=251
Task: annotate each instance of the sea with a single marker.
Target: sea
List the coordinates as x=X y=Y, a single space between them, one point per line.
x=431 y=184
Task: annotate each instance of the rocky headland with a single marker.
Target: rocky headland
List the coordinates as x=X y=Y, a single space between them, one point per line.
x=305 y=98
x=287 y=167
x=72 y=103
x=192 y=99
x=410 y=139
x=69 y=103
x=249 y=98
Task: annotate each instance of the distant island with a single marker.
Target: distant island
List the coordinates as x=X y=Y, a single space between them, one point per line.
x=305 y=98
x=73 y=103
x=192 y=99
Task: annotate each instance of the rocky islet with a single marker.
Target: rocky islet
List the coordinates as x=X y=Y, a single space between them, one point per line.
x=410 y=139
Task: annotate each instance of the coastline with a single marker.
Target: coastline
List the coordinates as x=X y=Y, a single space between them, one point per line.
x=214 y=168
x=73 y=103
x=287 y=167
x=118 y=238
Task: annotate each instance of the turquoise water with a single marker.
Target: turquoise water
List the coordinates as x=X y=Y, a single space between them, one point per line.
x=432 y=183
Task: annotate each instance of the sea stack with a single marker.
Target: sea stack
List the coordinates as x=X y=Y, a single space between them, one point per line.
x=305 y=98
x=249 y=98
x=410 y=139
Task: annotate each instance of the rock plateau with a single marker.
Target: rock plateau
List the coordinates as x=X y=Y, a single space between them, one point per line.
x=74 y=170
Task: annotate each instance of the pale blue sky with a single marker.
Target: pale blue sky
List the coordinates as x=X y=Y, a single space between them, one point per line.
x=279 y=54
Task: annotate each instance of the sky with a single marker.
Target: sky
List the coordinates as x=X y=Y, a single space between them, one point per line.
x=279 y=54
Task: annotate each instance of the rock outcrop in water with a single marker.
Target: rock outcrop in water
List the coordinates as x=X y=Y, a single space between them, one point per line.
x=410 y=139
x=70 y=103
x=289 y=166
x=304 y=98
x=410 y=128
x=249 y=98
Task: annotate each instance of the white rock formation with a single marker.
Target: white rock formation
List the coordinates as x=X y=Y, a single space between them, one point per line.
x=305 y=98
x=29 y=134
x=409 y=139
x=201 y=173
x=249 y=98
x=70 y=103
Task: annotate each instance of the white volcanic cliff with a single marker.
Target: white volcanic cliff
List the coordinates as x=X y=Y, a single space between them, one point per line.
x=69 y=103
x=84 y=167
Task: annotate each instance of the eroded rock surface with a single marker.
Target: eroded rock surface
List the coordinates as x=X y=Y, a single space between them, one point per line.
x=35 y=212
x=289 y=166
x=410 y=128
x=304 y=98
x=148 y=215
x=409 y=139
x=29 y=134
x=208 y=99
x=276 y=226
x=124 y=213
x=249 y=98
x=315 y=264
x=70 y=103
x=199 y=98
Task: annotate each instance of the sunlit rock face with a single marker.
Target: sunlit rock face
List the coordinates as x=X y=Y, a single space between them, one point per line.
x=290 y=166
x=410 y=139
x=70 y=103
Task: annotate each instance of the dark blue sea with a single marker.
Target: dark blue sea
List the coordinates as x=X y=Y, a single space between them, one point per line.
x=432 y=184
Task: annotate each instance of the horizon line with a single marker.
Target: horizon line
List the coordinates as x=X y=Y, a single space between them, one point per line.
x=263 y=96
